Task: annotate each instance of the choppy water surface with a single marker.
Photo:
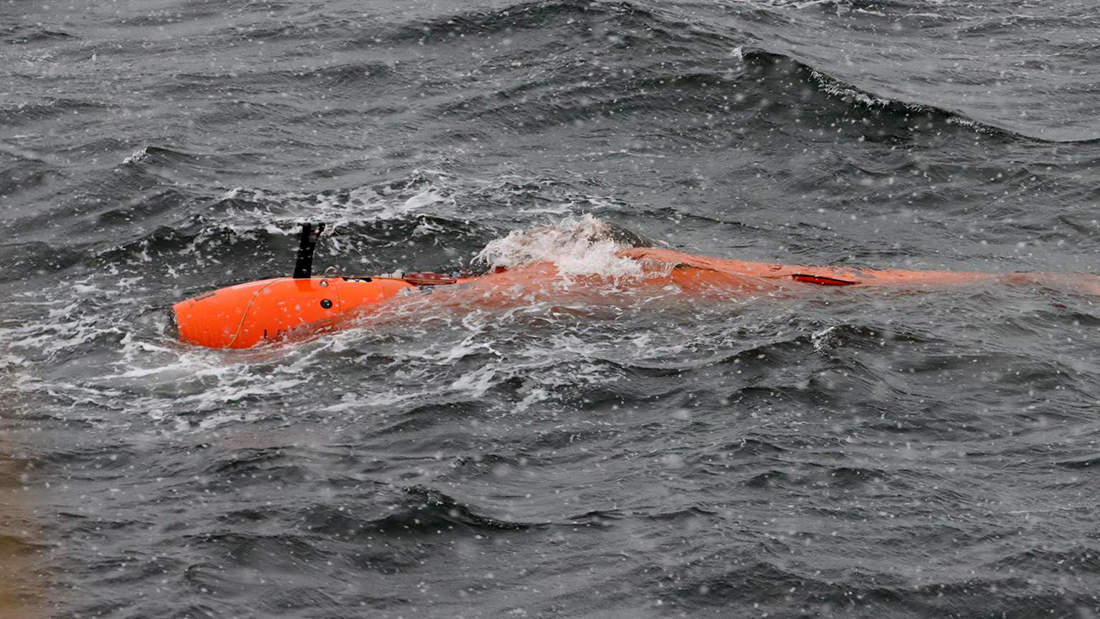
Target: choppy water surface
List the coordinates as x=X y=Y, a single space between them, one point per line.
x=836 y=454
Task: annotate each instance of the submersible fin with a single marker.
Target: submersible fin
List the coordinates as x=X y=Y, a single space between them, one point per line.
x=821 y=280
x=307 y=244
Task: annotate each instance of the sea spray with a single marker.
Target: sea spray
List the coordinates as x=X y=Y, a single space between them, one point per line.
x=576 y=246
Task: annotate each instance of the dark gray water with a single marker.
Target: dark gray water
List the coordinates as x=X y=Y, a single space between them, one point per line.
x=837 y=454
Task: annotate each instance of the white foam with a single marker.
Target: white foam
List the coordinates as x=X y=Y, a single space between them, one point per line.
x=844 y=91
x=136 y=156
x=576 y=246
x=824 y=340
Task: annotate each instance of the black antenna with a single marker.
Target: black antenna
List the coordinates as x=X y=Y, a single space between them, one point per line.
x=303 y=267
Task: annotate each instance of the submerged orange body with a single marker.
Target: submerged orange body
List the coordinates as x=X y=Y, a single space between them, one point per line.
x=823 y=276
x=271 y=310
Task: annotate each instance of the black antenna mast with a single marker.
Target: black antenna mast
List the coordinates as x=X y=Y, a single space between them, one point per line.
x=303 y=267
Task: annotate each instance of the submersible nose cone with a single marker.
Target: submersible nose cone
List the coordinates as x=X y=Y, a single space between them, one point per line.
x=215 y=319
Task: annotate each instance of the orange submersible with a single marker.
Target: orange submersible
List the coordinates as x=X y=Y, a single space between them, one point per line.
x=282 y=308
x=247 y=314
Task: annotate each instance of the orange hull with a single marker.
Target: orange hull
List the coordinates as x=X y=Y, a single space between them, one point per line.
x=272 y=310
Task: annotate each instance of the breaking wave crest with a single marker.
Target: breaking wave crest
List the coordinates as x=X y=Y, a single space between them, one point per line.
x=577 y=246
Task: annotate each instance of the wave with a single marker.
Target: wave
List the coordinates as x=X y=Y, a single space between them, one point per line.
x=427 y=509
x=349 y=78
x=37 y=258
x=720 y=77
x=658 y=61
x=890 y=116
x=24 y=113
x=418 y=509
x=535 y=15
x=24 y=34
x=775 y=585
